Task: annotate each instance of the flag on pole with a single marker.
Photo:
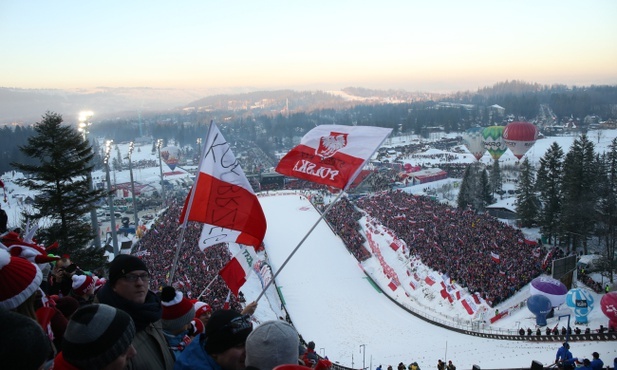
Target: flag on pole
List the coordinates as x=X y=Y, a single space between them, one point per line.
x=333 y=155
x=495 y=257
x=226 y=305
x=222 y=198
x=236 y=271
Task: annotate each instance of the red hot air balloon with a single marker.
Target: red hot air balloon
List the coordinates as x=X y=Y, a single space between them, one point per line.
x=519 y=137
x=608 y=303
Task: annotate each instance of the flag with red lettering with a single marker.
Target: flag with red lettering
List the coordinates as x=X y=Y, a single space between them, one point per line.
x=333 y=155
x=236 y=271
x=222 y=198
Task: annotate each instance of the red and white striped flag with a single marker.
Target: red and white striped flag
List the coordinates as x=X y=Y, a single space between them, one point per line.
x=236 y=271
x=222 y=198
x=226 y=305
x=333 y=155
x=495 y=257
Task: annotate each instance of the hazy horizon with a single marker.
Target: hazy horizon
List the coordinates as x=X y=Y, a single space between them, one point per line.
x=442 y=46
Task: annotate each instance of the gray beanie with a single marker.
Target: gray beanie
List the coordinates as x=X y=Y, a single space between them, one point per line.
x=96 y=335
x=271 y=344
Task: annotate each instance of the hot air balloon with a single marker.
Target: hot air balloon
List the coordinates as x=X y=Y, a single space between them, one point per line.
x=492 y=138
x=581 y=301
x=552 y=289
x=608 y=303
x=540 y=306
x=519 y=137
x=171 y=156
x=473 y=141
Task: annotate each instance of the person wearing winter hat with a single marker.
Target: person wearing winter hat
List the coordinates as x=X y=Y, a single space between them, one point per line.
x=97 y=337
x=271 y=344
x=178 y=312
x=310 y=357
x=19 y=280
x=221 y=347
x=67 y=306
x=82 y=289
x=596 y=363
x=202 y=311
x=23 y=344
x=127 y=288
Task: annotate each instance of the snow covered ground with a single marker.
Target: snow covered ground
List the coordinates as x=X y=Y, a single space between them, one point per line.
x=331 y=301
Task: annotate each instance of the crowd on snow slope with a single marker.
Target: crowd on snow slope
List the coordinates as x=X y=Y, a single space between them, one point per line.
x=476 y=250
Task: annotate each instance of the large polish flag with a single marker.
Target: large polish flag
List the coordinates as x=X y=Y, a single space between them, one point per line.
x=222 y=198
x=333 y=155
x=236 y=271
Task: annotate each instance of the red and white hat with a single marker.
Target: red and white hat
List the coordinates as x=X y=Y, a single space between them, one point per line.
x=201 y=308
x=177 y=310
x=81 y=284
x=19 y=279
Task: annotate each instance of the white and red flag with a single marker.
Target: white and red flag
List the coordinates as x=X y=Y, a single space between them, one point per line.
x=236 y=271
x=333 y=155
x=495 y=257
x=222 y=198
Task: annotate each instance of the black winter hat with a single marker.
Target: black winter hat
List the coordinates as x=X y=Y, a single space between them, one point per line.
x=123 y=264
x=96 y=335
x=226 y=329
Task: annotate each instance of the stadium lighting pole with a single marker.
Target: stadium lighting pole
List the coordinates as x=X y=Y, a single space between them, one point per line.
x=112 y=216
x=131 y=147
x=159 y=144
x=82 y=126
x=363 y=347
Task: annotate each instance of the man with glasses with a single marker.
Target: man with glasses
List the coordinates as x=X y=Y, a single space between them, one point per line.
x=127 y=289
x=221 y=347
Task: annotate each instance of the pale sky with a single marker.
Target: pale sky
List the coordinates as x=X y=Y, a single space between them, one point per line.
x=425 y=45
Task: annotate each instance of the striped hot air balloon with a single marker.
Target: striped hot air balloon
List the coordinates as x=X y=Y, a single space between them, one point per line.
x=492 y=138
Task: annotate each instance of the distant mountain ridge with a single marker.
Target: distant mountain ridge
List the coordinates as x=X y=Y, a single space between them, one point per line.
x=26 y=106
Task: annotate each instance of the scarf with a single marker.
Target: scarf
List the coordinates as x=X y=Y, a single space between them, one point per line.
x=142 y=314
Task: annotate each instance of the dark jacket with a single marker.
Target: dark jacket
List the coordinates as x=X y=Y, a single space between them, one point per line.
x=150 y=344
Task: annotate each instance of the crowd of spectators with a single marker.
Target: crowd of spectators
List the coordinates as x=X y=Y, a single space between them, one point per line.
x=343 y=219
x=587 y=280
x=195 y=269
x=476 y=250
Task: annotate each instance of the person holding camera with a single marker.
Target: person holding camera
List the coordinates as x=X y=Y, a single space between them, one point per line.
x=60 y=278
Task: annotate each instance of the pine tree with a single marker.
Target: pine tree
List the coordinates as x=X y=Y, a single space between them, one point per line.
x=527 y=202
x=549 y=184
x=496 y=180
x=485 y=195
x=464 y=194
x=607 y=209
x=63 y=194
x=581 y=169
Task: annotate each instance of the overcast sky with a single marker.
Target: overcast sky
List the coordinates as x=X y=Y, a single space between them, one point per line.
x=434 y=46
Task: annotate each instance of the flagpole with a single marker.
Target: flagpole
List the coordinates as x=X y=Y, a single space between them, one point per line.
x=299 y=244
x=351 y=180
x=187 y=213
x=207 y=286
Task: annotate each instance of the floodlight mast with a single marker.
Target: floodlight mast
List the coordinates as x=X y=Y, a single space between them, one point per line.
x=85 y=121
